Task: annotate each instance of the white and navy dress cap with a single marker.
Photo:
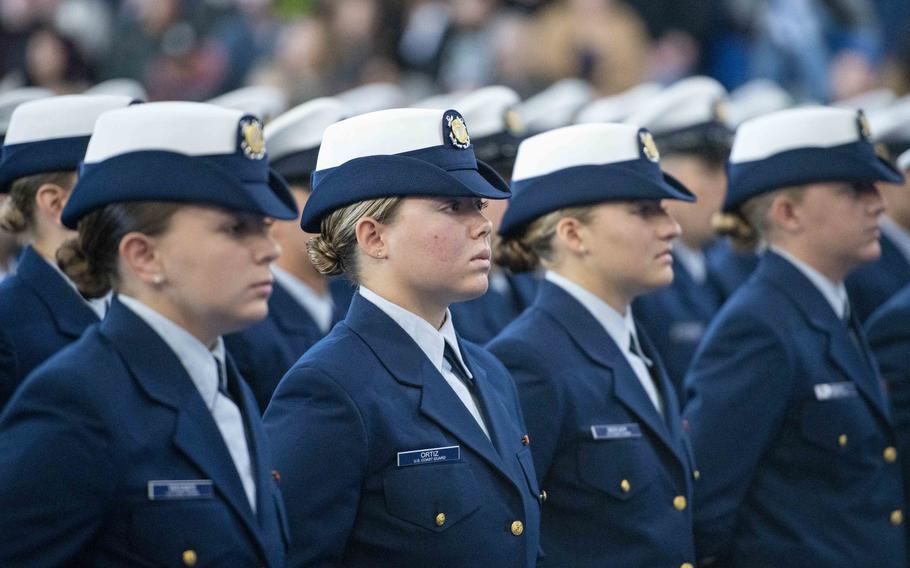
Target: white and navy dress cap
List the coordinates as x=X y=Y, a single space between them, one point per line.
x=182 y=152
x=372 y=97
x=293 y=138
x=397 y=152
x=9 y=100
x=555 y=106
x=496 y=127
x=586 y=164
x=688 y=116
x=891 y=126
x=755 y=98
x=51 y=134
x=799 y=146
x=121 y=86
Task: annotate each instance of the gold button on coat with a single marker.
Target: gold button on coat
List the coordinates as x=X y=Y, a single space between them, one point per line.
x=890 y=454
x=897 y=517
x=696 y=474
x=189 y=557
x=686 y=565
x=679 y=502
x=440 y=519
x=625 y=485
x=543 y=495
x=517 y=528
x=842 y=440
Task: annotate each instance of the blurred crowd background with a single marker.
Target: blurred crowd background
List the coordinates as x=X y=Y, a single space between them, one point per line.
x=819 y=50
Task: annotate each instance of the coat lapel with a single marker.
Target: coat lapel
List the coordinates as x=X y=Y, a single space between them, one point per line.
x=409 y=365
x=597 y=344
x=161 y=375
x=856 y=365
x=70 y=312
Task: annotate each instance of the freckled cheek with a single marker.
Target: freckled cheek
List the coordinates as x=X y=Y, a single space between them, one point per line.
x=443 y=248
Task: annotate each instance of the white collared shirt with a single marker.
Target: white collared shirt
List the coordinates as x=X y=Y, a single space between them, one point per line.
x=692 y=260
x=620 y=328
x=97 y=305
x=898 y=235
x=835 y=294
x=319 y=306
x=199 y=363
x=432 y=342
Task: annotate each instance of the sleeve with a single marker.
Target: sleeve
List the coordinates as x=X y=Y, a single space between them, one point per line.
x=312 y=423
x=541 y=401
x=738 y=388
x=57 y=472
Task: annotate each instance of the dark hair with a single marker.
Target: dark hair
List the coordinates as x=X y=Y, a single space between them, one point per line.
x=90 y=258
x=17 y=214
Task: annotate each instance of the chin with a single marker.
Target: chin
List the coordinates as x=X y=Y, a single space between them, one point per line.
x=471 y=290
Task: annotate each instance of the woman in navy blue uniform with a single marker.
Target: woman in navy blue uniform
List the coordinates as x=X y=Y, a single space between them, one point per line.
x=791 y=428
x=40 y=309
x=398 y=443
x=603 y=417
x=140 y=444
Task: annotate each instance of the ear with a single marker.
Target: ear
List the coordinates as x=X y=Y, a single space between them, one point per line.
x=370 y=237
x=784 y=214
x=50 y=200
x=570 y=231
x=139 y=255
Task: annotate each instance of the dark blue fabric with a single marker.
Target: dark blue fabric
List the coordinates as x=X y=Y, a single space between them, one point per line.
x=729 y=267
x=777 y=487
x=889 y=335
x=436 y=171
x=88 y=430
x=232 y=182
x=873 y=284
x=586 y=185
x=266 y=350
x=344 y=411
x=853 y=162
x=572 y=376
x=676 y=318
x=481 y=319
x=297 y=165
x=27 y=158
x=40 y=314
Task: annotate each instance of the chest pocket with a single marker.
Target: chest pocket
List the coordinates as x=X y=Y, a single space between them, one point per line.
x=620 y=468
x=178 y=533
x=844 y=426
x=434 y=497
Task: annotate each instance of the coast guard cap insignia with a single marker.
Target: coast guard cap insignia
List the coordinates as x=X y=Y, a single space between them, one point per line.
x=862 y=124
x=252 y=141
x=457 y=131
x=649 y=148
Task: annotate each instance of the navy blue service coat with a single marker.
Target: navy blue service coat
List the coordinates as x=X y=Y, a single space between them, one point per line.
x=40 y=314
x=616 y=498
x=481 y=319
x=793 y=434
x=337 y=423
x=83 y=440
x=872 y=285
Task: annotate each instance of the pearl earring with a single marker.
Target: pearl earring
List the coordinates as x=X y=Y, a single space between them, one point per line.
x=157 y=279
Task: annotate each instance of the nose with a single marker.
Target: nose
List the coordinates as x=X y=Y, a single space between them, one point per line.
x=669 y=228
x=875 y=205
x=483 y=227
x=266 y=250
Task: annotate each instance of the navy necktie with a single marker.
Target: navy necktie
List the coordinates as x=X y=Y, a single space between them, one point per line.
x=449 y=355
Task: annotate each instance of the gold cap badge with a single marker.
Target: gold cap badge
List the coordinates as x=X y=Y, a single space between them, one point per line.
x=648 y=146
x=863 y=124
x=252 y=141
x=458 y=131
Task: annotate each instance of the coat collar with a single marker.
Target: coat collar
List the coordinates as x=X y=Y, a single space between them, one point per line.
x=290 y=316
x=594 y=341
x=161 y=376
x=405 y=361
x=816 y=310
x=70 y=312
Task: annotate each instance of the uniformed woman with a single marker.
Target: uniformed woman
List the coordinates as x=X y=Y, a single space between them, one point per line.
x=41 y=312
x=604 y=425
x=792 y=430
x=140 y=444
x=398 y=443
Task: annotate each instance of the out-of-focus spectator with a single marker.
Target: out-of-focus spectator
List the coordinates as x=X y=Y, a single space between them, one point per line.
x=53 y=61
